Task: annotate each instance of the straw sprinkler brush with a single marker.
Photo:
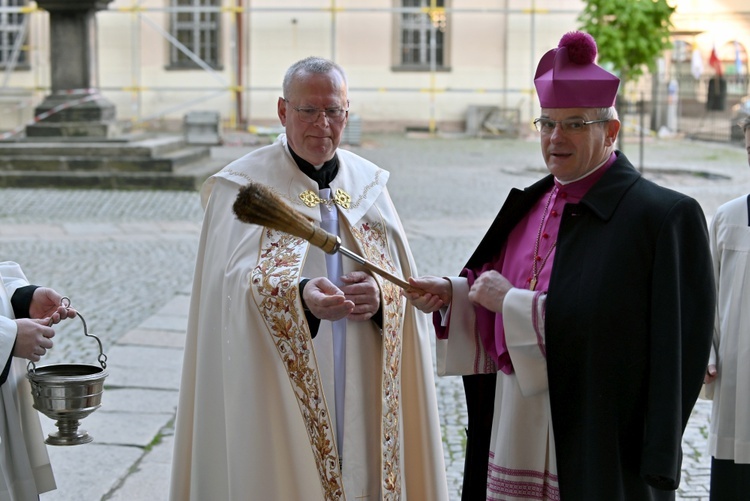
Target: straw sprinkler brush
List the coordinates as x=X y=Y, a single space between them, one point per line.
x=256 y=204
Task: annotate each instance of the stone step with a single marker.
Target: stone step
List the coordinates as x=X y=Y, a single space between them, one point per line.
x=165 y=162
x=127 y=146
x=187 y=177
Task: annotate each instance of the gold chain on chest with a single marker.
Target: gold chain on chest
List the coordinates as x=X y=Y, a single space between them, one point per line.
x=340 y=198
x=537 y=261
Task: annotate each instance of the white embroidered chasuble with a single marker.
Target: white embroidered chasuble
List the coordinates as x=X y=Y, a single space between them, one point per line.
x=522 y=464
x=257 y=411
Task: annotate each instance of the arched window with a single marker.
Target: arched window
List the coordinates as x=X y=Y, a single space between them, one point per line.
x=733 y=56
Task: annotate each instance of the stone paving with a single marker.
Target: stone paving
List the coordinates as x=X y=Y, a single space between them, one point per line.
x=126 y=261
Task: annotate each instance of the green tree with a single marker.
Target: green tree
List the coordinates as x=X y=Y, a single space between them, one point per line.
x=630 y=34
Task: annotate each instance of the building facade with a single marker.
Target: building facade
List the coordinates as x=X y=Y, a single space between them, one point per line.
x=411 y=64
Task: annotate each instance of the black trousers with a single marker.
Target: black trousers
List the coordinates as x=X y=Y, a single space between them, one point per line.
x=480 y=404
x=730 y=481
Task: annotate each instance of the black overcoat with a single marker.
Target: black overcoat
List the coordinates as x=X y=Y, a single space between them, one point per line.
x=629 y=318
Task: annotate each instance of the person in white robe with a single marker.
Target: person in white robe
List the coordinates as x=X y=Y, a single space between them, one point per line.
x=26 y=315
x=304 y=377
x=728 y=374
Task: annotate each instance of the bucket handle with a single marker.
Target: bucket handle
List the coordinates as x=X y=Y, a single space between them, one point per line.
x=102 y=358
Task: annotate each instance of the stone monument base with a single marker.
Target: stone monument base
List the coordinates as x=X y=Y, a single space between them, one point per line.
x=126 y=162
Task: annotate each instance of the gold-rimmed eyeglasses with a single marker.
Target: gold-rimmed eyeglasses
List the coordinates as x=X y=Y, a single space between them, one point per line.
x=311 y=115
x=569 y=125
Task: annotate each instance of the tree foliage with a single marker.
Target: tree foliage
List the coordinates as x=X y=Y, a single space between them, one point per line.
x=630 y=34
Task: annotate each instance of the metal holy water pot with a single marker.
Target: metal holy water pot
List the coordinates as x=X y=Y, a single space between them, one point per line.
x=68 y=393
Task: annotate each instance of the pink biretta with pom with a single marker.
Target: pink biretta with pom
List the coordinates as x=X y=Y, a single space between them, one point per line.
x=568 y=76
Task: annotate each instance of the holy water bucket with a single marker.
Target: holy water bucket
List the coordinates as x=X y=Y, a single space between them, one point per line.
x=68 y=393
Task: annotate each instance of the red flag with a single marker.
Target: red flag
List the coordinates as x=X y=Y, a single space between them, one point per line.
x=714 y=62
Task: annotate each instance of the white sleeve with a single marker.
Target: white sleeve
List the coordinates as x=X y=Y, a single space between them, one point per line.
x=462 y=352
x=523 y=320
x=12 y=276
x=8 y=330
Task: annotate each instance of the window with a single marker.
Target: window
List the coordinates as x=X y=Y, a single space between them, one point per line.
x=733 y=58
x=422 y=43
x=197 y=28
x=13 y=50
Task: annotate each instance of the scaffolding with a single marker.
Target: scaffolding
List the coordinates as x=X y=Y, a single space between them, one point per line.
x=258 y=38
x=235 y=85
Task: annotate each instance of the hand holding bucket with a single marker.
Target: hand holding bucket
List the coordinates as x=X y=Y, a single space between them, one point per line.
x=68 y=393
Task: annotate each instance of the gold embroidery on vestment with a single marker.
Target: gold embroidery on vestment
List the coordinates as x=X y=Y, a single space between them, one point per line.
x=340 y=198
x=239 y=174
x=366 y=189
x=275 y=280
x=373 y=240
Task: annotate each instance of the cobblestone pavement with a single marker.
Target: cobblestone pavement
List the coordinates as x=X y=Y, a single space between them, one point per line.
x=121 y=256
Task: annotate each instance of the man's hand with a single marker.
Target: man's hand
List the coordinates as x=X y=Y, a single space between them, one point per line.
x=45 y=304
x=361 y=289
x=325 y=300
x=429 y=293
x=711 y=374
x=33 y=338
x=489 y=291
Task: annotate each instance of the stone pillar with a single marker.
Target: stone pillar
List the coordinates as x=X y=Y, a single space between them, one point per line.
x=74 y=108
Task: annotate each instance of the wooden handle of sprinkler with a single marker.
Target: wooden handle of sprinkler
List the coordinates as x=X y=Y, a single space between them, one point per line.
x=319 y=237
x=376 y=269
x=331 y=243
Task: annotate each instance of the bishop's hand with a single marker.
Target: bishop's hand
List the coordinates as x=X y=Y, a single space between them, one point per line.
x=428 y=293
x=489 y=290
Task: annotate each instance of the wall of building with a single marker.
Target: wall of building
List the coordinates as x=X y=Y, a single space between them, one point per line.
x=492 y=50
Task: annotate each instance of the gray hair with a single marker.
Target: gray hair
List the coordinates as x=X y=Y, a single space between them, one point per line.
x=609 y=113
x=316 y=65
x=745 y=124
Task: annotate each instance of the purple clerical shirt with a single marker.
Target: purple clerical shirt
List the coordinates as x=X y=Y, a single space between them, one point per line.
x=516 y=258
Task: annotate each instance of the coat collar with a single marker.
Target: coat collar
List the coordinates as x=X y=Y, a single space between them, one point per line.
x=604 y=197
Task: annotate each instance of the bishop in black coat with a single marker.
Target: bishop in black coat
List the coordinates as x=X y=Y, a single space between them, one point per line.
x=628 y=327
x=627 y=315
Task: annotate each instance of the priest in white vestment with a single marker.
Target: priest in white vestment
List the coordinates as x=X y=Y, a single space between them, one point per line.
x=304 y=377
x=728 y=375
x=26 y=315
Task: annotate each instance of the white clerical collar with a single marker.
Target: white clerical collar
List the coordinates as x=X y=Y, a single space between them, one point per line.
x=563 y=183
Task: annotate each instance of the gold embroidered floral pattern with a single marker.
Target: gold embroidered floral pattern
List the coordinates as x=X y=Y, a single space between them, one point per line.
x=373 y=241
x=238 y=174
x=275 y=281
x=340 y=198
x=311 y=199
x=363 y=196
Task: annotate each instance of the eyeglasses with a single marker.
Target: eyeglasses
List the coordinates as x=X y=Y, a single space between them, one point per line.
x=569 y=125
x=310 y=115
